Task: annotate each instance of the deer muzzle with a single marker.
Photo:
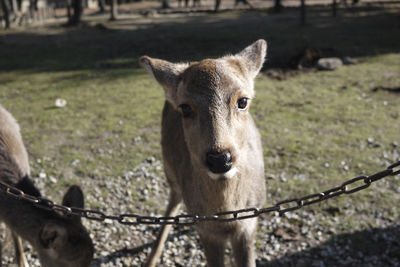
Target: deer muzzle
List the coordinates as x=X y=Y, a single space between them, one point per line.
x=219 y=162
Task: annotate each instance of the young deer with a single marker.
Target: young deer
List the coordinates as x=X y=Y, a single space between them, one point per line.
x=212 y=150
x=59 y=240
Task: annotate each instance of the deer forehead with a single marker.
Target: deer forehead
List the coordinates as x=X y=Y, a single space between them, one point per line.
x=215 y=77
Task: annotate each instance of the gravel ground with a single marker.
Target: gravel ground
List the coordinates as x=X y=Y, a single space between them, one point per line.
x=297 y=239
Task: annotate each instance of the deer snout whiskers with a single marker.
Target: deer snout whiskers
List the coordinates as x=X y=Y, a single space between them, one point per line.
x=227 y=175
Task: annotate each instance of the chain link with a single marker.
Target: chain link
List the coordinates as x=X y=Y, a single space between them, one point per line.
x=348 y=187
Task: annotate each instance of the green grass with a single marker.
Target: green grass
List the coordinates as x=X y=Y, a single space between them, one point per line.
x=327 y=117
x=306 y=121
x=88 y=123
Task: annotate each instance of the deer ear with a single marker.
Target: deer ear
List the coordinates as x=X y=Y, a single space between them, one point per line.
x=165 y=73
x=253 y=56
x=74 y=198
x=52 y=236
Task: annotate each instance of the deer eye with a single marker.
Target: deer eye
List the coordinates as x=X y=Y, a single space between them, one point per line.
x=242 y=103
x=186 y=110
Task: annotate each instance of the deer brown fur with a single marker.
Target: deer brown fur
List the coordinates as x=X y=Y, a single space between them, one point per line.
x=212 y=150
x=59 y=240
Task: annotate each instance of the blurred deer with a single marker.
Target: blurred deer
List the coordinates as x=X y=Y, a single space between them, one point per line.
x=212 y=150
x=59 y=240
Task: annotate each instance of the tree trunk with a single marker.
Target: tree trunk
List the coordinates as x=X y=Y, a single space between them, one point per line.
x=14 y=6
x=69 y=13
x=19 y=4
x=5 y=5
x=278 y=6
x=78 y=10
x=102 y=5
x=217 y=4
x=32 y=5
x=32 y=8
x=165 y=4
x=303 y=12
x=114 y=10
x=35 y=4
x=76 y=18
x=334 y=8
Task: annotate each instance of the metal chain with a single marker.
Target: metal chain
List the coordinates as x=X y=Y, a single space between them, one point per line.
x=348 y=187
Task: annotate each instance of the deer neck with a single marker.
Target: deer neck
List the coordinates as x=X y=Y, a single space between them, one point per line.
x=22 y=217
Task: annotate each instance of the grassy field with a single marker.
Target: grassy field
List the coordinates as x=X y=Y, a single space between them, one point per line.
x=318 y=128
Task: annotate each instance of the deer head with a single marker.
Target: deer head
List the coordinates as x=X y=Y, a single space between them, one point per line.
x=213 y=97
x=63 y=241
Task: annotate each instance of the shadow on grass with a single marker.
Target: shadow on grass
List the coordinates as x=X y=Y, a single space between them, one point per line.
x=117 y=45
x=378 y=246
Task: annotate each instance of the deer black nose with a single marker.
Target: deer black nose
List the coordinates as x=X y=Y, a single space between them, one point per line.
x=219 y=162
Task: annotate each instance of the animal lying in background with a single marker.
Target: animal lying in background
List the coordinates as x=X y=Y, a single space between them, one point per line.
x=212 y=150
x=59 y=240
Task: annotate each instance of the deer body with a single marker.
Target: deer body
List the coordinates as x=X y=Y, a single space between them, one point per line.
x=211 y=148
x=201 y=194
x=59 y=240
x=11 y=138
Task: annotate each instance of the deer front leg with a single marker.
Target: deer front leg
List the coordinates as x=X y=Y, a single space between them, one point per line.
x=19 y=251
x=214 y=249
x=243 y=244
x=174 y=204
